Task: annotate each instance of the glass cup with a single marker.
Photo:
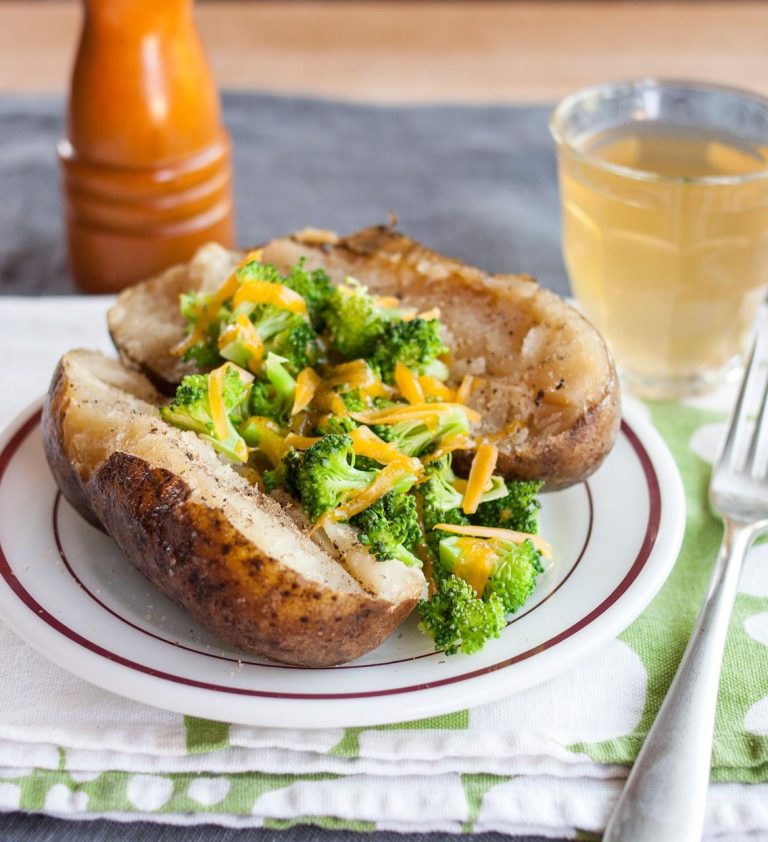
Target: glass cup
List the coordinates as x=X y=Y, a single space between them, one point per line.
x=664 y=190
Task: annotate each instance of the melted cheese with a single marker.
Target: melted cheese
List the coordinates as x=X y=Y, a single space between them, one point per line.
x=483 y=466
x=431 y=387
x=264 y=292
x=408 y=384
x=208 y=314
x=222 y=427
x=428 y=315
x=216 y=299
x=476 y=562
x=366 y=443
x=422 y=411
x=306 y=386
x=458 y=441
x=465 y=389
x=386 y=301
x=385 y=480
x=299 y=442
x=500 y=534
x=244 y=330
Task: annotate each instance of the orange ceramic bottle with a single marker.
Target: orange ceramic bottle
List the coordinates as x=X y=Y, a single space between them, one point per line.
x=146 y=163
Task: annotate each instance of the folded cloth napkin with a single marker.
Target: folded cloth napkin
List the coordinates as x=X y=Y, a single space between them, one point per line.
x=549 y=760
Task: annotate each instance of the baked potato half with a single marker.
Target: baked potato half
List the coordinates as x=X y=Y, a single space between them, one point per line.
x=237 y=561
x=548 y=389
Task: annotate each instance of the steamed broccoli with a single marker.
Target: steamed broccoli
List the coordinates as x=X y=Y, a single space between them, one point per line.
x=354 y=321
x=441 y=503
x=415 y=343
x=191 y=410
x=390 y=528
x=415 y=437
x=456 y=619
x=274 y=398
x=288 y=334
x=518 y=509
x=327 y=473
x=284 y=475
x=513 y=575
x=339 y=424
x=205 y=353
x=313 y=286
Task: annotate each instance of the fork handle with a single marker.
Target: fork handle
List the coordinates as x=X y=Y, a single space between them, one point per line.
x=666 y=793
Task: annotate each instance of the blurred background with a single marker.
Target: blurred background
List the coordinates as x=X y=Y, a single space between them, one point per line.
x=426 y=51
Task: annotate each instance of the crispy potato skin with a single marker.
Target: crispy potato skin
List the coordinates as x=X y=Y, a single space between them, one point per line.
x=59 y=460
x=200 y=562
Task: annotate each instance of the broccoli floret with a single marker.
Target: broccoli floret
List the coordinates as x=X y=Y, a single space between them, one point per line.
x=456 y=619
x=518 y=509
x=274 y=398
x=390 y=528
x=327 y=473
x=314 y=287
x=284 y=333
x=415 y=437
x=284 y=475
x=255 y=270
x=514 y=571
x=191 y=410
x=298 y=344
x=353 y=321
x=415 y=343
x=205 y=353
x=353 y=401
x=441 y=503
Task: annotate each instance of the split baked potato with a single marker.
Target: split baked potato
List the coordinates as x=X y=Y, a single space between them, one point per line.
x=244 y=563
x=546 y=379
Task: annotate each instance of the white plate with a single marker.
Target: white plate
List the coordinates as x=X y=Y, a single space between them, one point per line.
x=68 y=591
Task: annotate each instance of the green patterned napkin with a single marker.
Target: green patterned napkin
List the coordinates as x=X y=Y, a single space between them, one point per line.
x=549 y=760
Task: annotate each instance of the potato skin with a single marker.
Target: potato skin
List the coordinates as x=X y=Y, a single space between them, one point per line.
x=64 y=472
x=200 y=562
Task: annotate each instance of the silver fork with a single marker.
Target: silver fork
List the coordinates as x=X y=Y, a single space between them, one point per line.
x=665 y=795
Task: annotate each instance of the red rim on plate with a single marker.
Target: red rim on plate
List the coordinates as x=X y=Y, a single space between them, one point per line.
x=649 y=540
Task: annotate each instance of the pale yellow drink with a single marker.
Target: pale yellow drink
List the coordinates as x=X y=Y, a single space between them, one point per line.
x=670 y=267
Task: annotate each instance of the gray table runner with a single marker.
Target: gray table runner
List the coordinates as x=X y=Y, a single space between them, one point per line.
x=478 y=183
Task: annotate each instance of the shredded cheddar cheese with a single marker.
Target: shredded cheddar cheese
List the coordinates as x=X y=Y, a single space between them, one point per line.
x=465 y=389
x=476 y=562
x=299 y=442
x=366 y=443
x=264 y=292
x=449 y=444
x=385 y=480
x=211 y=308
x=431 y=387
x=483 y=466
x=422 y=411
x=221 y=424
x=306 y=386
x=386 y=301
x=408 y=384
x=500 y=534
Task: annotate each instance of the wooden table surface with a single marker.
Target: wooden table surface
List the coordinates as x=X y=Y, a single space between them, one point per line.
x=422 y=51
